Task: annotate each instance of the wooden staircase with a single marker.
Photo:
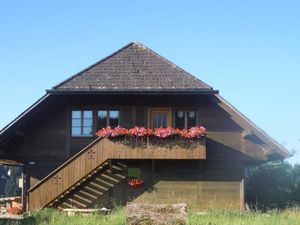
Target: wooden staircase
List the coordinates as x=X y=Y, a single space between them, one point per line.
x=90 y=191
x=84 y=177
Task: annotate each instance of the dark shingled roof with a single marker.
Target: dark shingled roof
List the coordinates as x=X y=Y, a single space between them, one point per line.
x=133 y=68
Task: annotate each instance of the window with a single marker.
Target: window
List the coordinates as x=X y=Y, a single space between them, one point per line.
x=107 y=118
x=185 y=119
x=159 y=118
x=82 y=123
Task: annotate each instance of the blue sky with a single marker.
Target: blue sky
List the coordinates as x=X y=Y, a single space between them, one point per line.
x=249 y=50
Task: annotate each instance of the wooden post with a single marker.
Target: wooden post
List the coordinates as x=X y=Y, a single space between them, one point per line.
x=24 y=187
x=242 y=195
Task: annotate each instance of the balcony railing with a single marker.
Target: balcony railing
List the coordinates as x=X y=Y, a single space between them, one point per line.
x=157 y=148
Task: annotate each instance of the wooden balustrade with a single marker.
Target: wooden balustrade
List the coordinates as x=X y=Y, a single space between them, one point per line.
x=91 y=157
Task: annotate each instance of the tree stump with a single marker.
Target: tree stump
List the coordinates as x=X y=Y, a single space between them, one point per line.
x=156 y=214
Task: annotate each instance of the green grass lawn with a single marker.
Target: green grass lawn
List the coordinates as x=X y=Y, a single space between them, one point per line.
x=213 y=217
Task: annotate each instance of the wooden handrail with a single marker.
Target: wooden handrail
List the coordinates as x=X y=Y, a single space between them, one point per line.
x=64 y=164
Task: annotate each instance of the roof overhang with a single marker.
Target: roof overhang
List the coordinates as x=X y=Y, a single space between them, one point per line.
x=133 y=91
x=15 y=127
x=252 y=131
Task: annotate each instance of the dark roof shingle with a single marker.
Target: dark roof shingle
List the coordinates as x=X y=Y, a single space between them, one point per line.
x=134 y=67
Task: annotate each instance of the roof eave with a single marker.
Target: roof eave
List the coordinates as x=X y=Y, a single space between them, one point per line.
x=71 y=91
x=276 y=147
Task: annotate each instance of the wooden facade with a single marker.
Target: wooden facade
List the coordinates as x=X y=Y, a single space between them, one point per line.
x=64 y=170
x=94 y=156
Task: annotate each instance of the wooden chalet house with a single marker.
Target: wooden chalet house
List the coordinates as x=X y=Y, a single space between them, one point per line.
x=66 y=165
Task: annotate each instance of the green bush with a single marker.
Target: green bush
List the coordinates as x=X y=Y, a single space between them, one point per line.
x=273 y=185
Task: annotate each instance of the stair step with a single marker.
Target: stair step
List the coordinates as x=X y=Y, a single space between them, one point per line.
x=109 y=176
x=103 y=183
x=96 y=186
x=121 y=166
x=60 y=208
x=81 y=199
x=120 y=176
x=113 y=175
x=73 y=201
x=92 y=191
x=87 y=195
x=68 y=205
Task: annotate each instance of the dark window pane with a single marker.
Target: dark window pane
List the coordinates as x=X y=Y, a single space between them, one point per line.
x=76 y=114
x=114 y=114
x=76 y=131
x=113 y=118
x=154 y=120
x=159 y=119
x=164 y=119
x=179 y=119
x=102 y=114
x=102 y=119
x=191 y=119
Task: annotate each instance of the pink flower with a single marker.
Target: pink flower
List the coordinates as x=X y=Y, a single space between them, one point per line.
x=138 y=131
x=160 y=132
x=164 y=132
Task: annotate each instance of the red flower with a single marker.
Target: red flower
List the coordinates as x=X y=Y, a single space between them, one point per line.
x=135 y=183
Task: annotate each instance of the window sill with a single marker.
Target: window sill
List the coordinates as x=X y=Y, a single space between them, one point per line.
x=86 y=136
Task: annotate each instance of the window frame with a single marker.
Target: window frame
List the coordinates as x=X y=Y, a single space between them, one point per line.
x=185 y=111
x=107 y=116
x=82 y=123
x=169 y=115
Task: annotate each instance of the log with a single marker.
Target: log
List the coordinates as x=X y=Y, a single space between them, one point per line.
x=156 y=214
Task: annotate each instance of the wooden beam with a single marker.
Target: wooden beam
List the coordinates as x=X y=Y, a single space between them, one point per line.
x=247 y=133
x=10 y=162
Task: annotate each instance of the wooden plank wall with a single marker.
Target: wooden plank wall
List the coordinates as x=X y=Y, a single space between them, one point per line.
x=217 y=184
x=198 y=195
